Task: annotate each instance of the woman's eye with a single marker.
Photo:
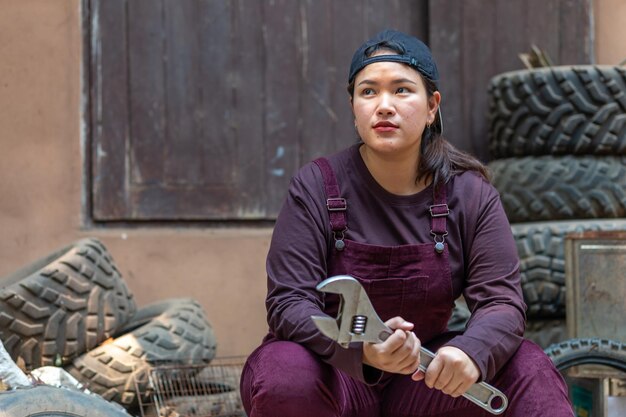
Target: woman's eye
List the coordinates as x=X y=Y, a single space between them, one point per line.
x=368 y=91
x=402 y=90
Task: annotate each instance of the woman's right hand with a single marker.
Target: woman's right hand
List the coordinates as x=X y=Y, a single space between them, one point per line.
x=399 y=354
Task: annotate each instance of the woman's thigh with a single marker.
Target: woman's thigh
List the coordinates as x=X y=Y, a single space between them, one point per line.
x=285 y=379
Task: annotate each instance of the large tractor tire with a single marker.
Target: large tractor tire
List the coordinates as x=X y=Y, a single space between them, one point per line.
x=561 y=188
x=579 y=110
x=63 y=305
x=47 y=401
x=172 y=331
x=541 y=249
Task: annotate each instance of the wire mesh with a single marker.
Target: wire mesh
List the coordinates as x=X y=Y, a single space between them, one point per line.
x=197 y=390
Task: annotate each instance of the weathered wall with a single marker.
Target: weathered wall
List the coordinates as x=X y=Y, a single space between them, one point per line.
x=41 y=177
x=41 y=185
x=610 y=31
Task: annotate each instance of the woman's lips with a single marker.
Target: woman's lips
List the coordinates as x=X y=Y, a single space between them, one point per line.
x=385 y=127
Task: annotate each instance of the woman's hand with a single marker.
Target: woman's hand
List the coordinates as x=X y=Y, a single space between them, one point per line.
x=451 y=371
x=399 y=353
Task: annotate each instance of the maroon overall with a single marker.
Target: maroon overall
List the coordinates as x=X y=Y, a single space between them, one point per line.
x=283 y=378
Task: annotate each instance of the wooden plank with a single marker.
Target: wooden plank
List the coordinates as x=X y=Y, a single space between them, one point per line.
x=378 y=16
x=147 y=94
x=574 y=27
x=477 y=69
x=182 y=165
x=158 y=203
x=542 y=27
x=509 y=31
x=347 y=38
x=395 y=14
x=216 y=136
x=110 y=110
x=318 y=81
x=282 y=70
x=247 y=89
x=416 y=18
x=445 y=34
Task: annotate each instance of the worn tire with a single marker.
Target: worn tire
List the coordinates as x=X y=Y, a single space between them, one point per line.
x=541 y=249
x=47 y=401
x=63 y=305
x=588 y=351
x=579 y=110
x=561 y=188
x=172 y=331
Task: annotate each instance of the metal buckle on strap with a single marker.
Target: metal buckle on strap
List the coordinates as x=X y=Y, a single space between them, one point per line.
x=336 y=204
x=442 y=214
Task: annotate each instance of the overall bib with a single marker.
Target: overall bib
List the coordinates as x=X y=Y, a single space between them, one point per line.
x=414 y=282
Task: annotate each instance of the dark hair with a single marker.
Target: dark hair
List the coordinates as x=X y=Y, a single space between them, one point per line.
x=439 y=159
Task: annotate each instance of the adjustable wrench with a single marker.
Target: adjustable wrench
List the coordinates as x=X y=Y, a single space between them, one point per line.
x=357 y=321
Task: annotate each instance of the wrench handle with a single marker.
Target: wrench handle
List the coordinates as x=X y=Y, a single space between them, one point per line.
x=481 y=393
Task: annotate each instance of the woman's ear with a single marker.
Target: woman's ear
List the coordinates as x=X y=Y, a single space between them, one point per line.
x=351 y=104
x=434 y=102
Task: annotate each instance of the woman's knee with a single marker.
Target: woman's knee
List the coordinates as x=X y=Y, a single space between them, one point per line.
x=283 y=375
x=529 y=360
x=533 y=384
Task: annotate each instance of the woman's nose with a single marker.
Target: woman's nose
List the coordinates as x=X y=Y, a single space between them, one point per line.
x=385 y=105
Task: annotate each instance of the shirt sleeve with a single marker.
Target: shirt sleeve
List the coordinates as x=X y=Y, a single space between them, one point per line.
x=296 y=263
x=492 y=289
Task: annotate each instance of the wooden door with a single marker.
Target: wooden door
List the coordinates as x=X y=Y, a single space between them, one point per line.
x=202 y=110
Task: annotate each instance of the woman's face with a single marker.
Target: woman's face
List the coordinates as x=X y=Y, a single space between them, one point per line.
x=391 y=107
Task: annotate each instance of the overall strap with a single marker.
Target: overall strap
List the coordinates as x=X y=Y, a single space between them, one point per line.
x=336 y=205
x=439 y=212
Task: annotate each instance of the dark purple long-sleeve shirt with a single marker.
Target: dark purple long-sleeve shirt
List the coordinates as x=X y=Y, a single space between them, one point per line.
x=483 y=258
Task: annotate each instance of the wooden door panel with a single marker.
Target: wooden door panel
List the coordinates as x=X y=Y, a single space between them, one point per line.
x=202 y=110
x=109 y=110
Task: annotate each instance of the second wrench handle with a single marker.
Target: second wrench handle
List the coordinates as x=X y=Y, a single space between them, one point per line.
x=481 y=393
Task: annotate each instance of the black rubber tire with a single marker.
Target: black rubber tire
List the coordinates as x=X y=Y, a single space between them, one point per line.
x=569 y=110
x=561 y=188
x=171 y=331
x=541 y=249
x=590 y=351
x=63 y=305
x=47 y=401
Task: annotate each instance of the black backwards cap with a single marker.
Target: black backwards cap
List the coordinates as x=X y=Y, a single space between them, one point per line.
x=407 y=50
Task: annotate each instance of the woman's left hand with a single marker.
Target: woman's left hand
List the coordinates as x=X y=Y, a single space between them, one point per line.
x=451 y=371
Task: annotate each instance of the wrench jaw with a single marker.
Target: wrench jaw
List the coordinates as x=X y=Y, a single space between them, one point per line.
x=357 y=320
x=338 y=329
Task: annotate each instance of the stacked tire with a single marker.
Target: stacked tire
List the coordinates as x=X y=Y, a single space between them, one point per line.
x=73 y=309
x=557 y=137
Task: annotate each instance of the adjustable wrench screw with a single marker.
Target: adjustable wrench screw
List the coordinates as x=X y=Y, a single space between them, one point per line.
x=358 y=324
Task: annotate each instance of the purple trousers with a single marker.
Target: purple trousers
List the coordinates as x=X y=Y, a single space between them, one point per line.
x=284 y=379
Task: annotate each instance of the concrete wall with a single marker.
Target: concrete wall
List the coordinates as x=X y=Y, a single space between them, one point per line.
x=41 y=178
x=610 y=31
